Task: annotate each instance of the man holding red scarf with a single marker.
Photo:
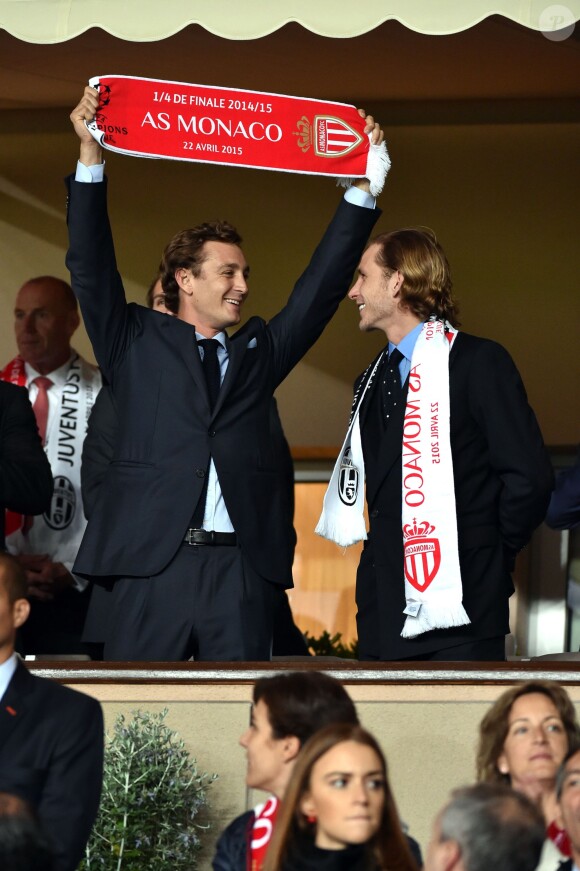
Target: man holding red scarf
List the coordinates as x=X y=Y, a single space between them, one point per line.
x=186 y=522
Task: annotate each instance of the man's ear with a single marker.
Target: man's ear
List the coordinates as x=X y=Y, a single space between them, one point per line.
x=20 y=612
x=399 y=280
x=290 y=748
x=449 y=856
x=183 y=278
x=74 y=321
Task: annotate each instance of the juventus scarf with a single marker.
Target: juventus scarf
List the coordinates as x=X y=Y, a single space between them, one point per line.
x=432 y=576
x=58 y=532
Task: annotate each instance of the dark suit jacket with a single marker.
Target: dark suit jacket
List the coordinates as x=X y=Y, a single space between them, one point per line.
x=564 y=508
x=102 y=434
x=167 y=430
x=25 y=476
x=51 y=754
x=98 y=451
x=503 y=478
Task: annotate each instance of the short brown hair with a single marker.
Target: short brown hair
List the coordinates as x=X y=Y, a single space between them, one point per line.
x=185 y=251
x=418 y=256
x=14 y=579
x=493 y=728
x=299 y=703
x=388 y=848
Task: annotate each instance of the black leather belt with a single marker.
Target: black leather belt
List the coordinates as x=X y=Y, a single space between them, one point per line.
x=206 y=536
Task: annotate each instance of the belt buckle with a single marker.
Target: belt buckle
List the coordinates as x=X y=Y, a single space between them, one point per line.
x=190 y=537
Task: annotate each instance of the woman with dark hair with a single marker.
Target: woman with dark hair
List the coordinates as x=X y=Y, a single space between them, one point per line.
x=338 y=813
x=523 y=738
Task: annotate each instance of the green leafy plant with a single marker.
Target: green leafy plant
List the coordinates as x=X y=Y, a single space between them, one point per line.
x=152 y=795
x=331 y=645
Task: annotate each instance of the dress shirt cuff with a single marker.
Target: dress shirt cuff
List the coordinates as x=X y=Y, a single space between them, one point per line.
x=358 y=197
x=90 y=174
x=79 y=584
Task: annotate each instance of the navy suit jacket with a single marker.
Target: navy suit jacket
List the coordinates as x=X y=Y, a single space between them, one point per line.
x=564 y=508
x=502 y=477
x=51 y=755
x=166 y=428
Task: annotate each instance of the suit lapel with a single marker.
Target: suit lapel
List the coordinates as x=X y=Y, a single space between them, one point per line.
x=236 y=350
x=369 y=401
x=453 y=352
x=390 y=446
x=237 y=347
x=183 y=337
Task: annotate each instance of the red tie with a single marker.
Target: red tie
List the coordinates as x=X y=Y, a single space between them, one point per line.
x=40 y=407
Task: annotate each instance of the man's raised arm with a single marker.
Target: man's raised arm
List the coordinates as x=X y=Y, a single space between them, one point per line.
x=91 y=153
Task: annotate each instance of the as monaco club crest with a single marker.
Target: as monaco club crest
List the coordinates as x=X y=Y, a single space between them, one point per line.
x=422 y=554
x=331 y=137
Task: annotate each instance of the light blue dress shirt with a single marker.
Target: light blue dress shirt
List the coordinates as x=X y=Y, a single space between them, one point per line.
x=406 y=346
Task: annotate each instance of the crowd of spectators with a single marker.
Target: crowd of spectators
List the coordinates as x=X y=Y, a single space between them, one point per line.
x=328 y=803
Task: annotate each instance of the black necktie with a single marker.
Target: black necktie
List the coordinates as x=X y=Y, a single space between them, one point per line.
x=211 y=368
x=391 y=387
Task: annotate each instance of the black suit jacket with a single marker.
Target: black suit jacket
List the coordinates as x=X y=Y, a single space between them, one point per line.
x=503 y=478
x=102 y=434
x=98 y=451
x=564 y=508
x=25 y=475
x=51 y=754
x=167 y=430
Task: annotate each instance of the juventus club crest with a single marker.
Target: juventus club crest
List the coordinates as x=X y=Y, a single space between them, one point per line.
x=330 y=137
x=63 y=504
x=348 y=479
x=422 y=554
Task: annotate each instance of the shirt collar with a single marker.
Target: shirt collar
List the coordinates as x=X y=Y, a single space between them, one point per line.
x=7 y=670
x=407 y=343
x=58 y=376
x=220 y=337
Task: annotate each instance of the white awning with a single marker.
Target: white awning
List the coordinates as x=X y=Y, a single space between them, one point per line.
x=51 y=21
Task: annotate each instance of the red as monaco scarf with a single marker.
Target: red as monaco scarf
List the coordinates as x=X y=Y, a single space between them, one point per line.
x=264 y=822
x=174 y=120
